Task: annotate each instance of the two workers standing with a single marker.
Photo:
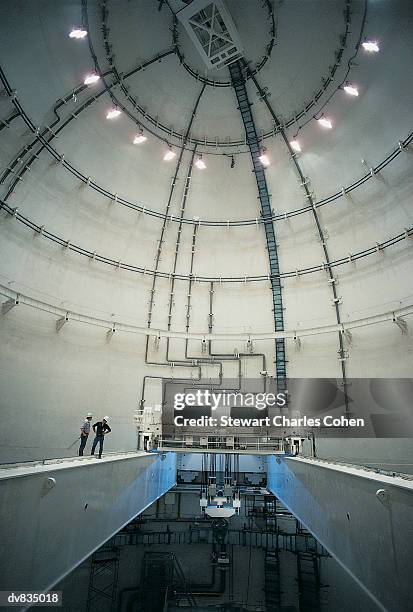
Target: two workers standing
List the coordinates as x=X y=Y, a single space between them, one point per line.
x=100 y=429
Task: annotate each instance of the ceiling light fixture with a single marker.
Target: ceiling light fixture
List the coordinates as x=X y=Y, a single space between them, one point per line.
x=91 y=78
x=200 y=164
x=325 y=122
x=140 y=138
x=169 y=155
x=351 y=89
x=264 y=159
x=295 y=145
x=113 y=112
x=372 y=46
x=78 y=33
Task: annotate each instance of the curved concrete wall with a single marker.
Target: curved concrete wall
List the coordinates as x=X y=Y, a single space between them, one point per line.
x=55 y=378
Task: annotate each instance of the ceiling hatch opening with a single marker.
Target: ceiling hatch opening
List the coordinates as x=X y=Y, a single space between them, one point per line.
x=213 y=32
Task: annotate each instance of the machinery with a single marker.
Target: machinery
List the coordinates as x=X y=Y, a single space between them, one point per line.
x=220 y=496
x=148 y=425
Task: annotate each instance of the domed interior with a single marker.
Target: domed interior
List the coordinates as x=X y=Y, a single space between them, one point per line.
x=108 y=232
x=210 y=194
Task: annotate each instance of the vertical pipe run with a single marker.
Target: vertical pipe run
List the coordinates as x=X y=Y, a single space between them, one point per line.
x=310 y=199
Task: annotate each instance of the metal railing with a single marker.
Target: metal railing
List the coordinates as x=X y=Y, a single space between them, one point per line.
x=53 y=460
x=225 y=443
x=239 y=84
x=361 y=466
x=290 y=542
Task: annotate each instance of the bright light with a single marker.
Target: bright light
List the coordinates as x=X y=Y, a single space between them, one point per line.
x=78 y=33
x=200 y=164
x=264 y=159
x=295 y=145
x=140 y=138
x=351 y=90
x=112 y=113
x=91 y=78
x=169 y=155
x=371 y=45
x=325 y=122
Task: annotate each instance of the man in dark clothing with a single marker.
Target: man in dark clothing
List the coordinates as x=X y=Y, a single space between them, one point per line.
x=100 y=428
x=84 y=433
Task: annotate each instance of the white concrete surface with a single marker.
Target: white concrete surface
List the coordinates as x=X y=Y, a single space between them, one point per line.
x=15 y=470
x=47 y=528
x=358 y=470
x=387 y=454
x=54 y=378
x=368 y=532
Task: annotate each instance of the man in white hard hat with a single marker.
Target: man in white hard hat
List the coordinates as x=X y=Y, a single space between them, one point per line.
x=101 y=428
x=84 y=433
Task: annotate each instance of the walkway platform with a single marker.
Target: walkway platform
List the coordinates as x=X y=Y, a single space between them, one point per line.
x=363 y=517
x=55 y=513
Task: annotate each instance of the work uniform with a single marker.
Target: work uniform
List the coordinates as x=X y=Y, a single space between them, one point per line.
x=85 y=429
x=100 y=428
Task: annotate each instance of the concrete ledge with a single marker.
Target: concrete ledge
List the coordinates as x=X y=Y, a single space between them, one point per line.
x=398 y=480
x=26 y=468
x=53 y=516
x=364 y=519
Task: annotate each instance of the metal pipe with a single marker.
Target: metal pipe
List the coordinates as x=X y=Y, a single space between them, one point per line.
x=40 y=137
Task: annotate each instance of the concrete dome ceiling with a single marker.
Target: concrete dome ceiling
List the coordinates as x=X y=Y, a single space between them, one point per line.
x=215 y=233
x=106 y=231
x=282 y=44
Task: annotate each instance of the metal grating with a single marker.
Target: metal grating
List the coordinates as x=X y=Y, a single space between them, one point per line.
x=308 y=578
x=103 y=579
x=244 y=105
x=213 y=32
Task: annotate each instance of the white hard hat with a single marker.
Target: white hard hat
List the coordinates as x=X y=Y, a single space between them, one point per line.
x=89 y=414
x=106 y=418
